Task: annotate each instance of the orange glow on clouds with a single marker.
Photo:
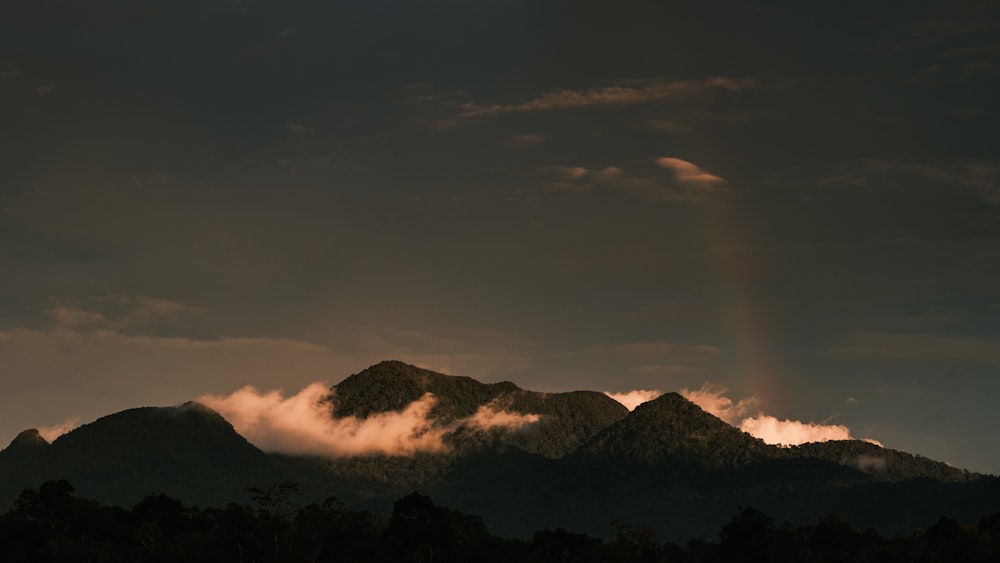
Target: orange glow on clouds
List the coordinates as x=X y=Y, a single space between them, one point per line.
x=792 y=432
x=713 y=400
x=52 y=432
x=632 y=399
x=303 y=424
x=711 y=397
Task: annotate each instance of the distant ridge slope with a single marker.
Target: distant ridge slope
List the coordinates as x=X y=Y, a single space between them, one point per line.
x=883 y=463
x=20 y=456
x=586 y=462
x=188 y=451
x=30 y=439
x=567 y=419
x=672 y=429
x=392 y=385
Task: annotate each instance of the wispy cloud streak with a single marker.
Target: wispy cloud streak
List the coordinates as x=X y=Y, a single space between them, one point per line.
x=689 y=174
x=610 y=96
x=687 y=182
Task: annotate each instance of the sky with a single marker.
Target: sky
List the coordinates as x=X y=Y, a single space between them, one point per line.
x=795 y=203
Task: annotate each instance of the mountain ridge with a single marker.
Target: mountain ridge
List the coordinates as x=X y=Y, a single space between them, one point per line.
x=585 y=462
x=189 y=451
x=671 y=426
x=567 y=419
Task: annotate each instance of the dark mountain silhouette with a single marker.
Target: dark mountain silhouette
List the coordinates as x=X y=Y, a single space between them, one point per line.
x=672 y=429
x=882 y=463
x=585 y=463
x=668 y=464
x=29 y=440
x=392 y=385
x=567 y=420
x=188 y=451
x=18 y=459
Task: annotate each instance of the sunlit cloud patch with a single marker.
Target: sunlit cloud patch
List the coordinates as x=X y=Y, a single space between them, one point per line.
x=745 y=415
x=632 y=399
x=304 y=424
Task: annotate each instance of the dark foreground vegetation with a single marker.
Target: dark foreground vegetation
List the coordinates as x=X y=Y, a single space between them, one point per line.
x=52 y=524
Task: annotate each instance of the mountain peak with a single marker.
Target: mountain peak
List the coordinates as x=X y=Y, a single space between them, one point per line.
x=392 y=385
x=30 y=438
x=189 y=451
x=670 y=399
x=566 y=420
x=672 y=429
x=675 y=411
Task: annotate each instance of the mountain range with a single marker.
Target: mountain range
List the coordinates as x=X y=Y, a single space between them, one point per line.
x=576 y=460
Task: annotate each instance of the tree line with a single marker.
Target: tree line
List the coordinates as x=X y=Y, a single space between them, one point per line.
x=51 y=523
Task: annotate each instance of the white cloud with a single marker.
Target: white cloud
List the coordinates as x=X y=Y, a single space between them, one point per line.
x=792 y=432
x=713 y=400
x=53 y=431
x=488 y=417
x=634 y=398
x=690 y=175
x=303 y=424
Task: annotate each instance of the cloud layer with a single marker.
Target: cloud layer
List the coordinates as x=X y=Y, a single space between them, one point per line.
x=792 y=432
x=711 y=397
x=303 y=424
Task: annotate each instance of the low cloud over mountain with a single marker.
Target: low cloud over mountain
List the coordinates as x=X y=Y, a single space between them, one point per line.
x=745 y=415
x=304 y=424
x=524 y=460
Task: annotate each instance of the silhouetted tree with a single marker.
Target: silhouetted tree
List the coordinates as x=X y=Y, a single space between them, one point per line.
x=560 y=546
x=747 y=536
x=635 y=543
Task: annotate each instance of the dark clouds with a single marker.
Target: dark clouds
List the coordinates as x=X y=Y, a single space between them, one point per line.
x=566 y=194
